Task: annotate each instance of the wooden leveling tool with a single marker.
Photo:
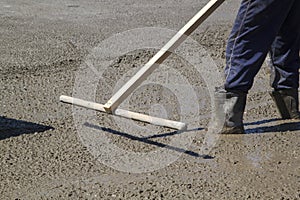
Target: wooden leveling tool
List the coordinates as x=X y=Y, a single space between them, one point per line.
x=111 y=106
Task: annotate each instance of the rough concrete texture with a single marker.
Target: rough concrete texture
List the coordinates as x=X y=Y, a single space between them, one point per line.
x=47 y=153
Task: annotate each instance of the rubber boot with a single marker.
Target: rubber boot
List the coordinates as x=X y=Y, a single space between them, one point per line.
x=287 y=102
x=228 y=112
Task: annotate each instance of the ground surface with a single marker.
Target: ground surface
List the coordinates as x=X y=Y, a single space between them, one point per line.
x=50 y=150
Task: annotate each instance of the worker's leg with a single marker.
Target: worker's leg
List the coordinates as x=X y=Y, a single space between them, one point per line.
x=254 y=30
x=285 y=63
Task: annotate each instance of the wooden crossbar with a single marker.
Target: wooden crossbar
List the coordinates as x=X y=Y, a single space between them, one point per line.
x=125 y=113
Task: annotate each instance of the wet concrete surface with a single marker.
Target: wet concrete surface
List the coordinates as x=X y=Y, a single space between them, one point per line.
x=51 y=150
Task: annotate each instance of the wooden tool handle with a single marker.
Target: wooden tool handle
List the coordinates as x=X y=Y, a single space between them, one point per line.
x=160 y=56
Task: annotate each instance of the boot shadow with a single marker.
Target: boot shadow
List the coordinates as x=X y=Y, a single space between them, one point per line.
x=280 y=126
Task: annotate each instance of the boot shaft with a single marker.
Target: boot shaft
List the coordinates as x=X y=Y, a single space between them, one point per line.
x=229 y=110
x=287 y=102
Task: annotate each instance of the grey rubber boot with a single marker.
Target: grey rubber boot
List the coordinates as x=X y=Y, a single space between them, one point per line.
x=287 y=102
x=229 y=111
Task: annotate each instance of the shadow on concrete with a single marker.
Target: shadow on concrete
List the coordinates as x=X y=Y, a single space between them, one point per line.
x=13 y=128
x=281 y=126
x=147 y=140
x=265 y=121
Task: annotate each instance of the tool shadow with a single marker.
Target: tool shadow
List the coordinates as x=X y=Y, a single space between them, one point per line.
x=147 y=140
x=13 y=128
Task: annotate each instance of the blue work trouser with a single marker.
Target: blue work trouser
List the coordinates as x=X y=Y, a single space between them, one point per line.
x=264 y=26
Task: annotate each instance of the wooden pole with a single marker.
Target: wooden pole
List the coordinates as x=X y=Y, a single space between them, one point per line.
x=163 y=54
